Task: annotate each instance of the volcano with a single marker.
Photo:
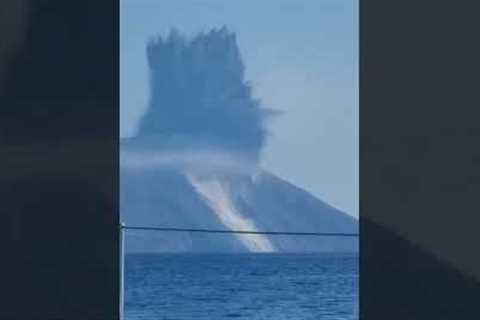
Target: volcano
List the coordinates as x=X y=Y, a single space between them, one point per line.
x=194 y=162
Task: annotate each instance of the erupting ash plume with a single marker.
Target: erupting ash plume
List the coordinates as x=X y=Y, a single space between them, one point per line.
x=194 y=161
x=197 y=89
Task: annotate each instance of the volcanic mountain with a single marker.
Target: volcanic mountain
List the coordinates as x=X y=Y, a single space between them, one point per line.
x=194 y=162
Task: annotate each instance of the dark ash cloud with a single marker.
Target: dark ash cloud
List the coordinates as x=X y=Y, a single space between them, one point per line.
x=197 y=89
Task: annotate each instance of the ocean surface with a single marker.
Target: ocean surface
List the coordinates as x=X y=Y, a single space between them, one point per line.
x=241 y=286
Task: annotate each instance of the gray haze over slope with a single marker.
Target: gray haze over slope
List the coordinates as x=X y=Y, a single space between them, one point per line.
x=194 y=161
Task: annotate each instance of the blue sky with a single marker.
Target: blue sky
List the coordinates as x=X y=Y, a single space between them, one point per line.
x=301 y=57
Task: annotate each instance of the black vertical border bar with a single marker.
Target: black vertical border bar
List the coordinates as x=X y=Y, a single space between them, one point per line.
x=419 y=159
x=59 y=139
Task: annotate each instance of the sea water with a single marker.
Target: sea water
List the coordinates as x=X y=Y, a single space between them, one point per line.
x=241 y=286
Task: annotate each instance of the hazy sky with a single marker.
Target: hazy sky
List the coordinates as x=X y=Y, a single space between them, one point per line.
x=301 y=57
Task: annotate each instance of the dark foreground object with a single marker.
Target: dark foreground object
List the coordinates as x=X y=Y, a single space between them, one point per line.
x=401 y=281
x=419 y=160
x=58 y=136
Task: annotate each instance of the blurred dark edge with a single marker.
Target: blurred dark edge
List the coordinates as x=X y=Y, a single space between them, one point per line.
x=419 y=160
x=59 y=170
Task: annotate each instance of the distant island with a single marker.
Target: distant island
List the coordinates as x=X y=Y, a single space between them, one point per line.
x=194 y=162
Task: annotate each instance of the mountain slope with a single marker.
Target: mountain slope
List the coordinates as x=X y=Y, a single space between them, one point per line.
x=191 y=191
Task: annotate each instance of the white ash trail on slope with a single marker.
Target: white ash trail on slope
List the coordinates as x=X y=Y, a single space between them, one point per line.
x=215 y=193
